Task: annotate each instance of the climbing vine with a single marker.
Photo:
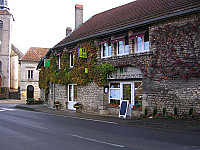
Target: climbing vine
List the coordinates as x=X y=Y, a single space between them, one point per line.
x=76 y=75
x=177 y=52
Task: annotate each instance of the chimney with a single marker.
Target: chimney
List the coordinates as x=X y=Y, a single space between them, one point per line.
x=78 y=15
x=68 y=30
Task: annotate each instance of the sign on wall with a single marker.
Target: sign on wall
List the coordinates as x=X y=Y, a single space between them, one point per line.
x=82 y=53
x=46 y=62
x=125 y=73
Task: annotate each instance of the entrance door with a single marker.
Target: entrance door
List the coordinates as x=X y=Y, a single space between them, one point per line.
x=127 y=92
x=30 y=91
x=72 y=96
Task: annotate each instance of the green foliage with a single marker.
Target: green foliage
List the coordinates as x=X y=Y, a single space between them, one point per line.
x=76 y=75
x=146 y=111
x=164 y=111
x=154 y=111
x=175 y=111
x=191 y=111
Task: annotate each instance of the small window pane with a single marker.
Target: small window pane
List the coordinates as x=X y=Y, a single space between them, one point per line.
x=120 y=47
x=146 y=45
x=139 y=44
x=115 y=93
x=105 y=49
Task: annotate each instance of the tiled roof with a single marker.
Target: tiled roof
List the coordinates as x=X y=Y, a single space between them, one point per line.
x=126 y=15
x=4 y=12
x=35 y=53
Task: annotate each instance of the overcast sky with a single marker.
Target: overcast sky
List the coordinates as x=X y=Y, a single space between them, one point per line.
x=42 y=23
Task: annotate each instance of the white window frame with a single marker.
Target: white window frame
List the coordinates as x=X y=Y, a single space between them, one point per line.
x=123 y=53
x=59 y=61
x=121 y=90
x=102 y=50
x=31 y=74
x=71 y=64
x=143 y=50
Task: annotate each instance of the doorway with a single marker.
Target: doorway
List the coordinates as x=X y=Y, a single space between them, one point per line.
x=30 y=91
x=72 y=96
x=125 y=90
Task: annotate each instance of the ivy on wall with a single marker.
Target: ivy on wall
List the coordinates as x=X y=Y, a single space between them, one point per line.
x=76 y=75
x=176 y=53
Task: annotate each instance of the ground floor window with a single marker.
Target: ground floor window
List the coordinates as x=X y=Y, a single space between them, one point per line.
x=131 y=91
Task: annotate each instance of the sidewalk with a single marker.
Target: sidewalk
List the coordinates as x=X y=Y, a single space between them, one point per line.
x=12 y=101
x=189 y=125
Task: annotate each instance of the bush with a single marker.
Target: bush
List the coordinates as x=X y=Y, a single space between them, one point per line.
x=191 y=111
x=175 y=111
x=30 y=101
x=146 y=112
x=154 y=111
x=164 y=111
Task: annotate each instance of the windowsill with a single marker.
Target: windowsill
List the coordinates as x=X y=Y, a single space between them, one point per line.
x=142 y=51
x=122 y=54
x=105 y=57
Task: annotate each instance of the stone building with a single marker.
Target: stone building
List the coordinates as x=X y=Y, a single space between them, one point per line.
x=9 y=56
x=29 y=75
x=153 y=47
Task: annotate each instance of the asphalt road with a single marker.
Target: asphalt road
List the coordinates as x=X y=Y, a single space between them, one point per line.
x=28 y=130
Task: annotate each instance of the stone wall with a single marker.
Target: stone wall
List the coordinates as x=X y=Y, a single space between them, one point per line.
x=178 y=86
x=61 y=94
x=91 y=96
x=176 y=82
x=179 y=93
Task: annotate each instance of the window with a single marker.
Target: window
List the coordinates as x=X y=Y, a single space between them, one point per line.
x=115 y=93
x=30 y=74
x=106 y=49
x=1 y=25
x=71 y=60
x=0 y=66
x=123 y=46
x=142 y=43
x=59 y=59
x=131 y=91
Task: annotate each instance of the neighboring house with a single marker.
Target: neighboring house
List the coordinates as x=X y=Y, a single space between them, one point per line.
x=29 y=75
x=146 y=52
x=9 y=56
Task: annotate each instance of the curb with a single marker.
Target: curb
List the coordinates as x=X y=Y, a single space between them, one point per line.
x=126 y=121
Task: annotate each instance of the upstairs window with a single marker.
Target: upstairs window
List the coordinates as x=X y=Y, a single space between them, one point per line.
x=30 y=74
x=71 y=60
x=105 y=49
x=59 y=62
x=122 y=45
x=141 y=41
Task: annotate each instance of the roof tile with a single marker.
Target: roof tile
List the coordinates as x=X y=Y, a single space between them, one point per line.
x=35 y=53
x=131 y=13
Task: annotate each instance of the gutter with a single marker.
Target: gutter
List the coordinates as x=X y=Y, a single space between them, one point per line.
x=130 y=26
